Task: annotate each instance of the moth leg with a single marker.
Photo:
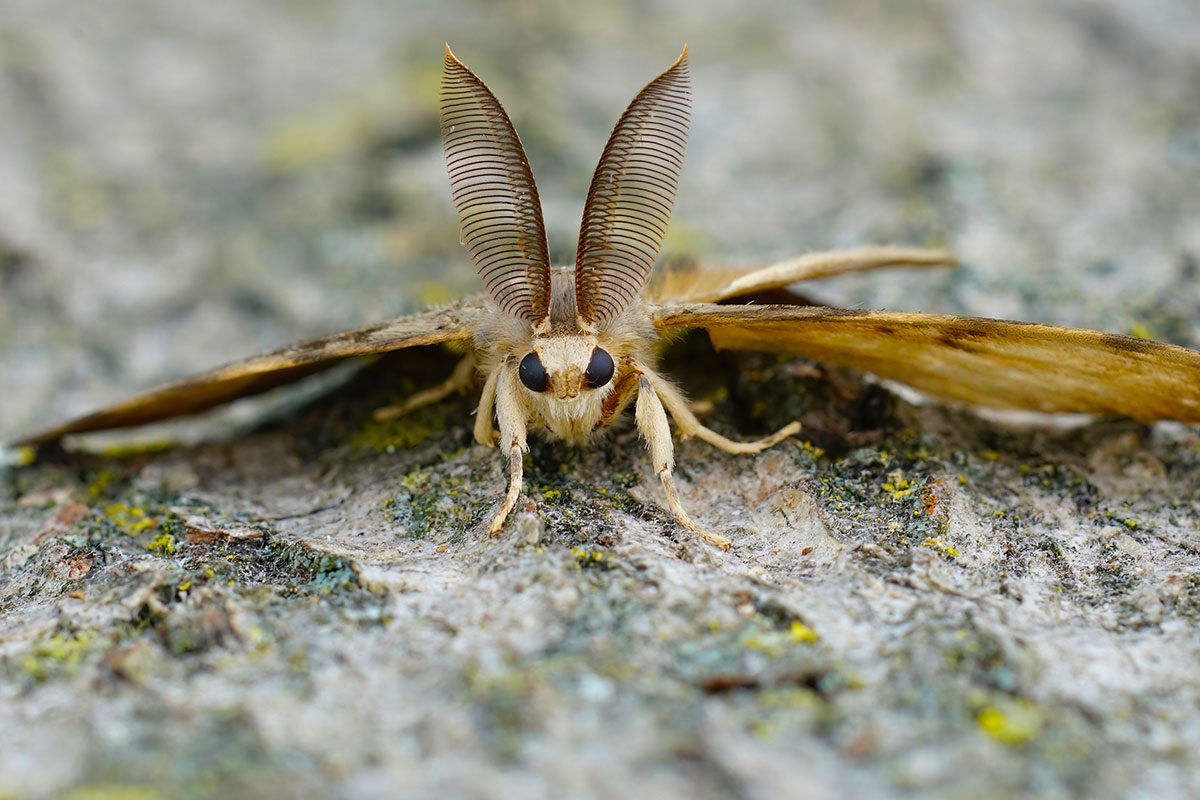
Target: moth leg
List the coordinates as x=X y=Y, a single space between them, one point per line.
x=516 y=463
x=652 y=424
x=675 y=402
x=511 y=414
x=460 y=380
x=485 y=428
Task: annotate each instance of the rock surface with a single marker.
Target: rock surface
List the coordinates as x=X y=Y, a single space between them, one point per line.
x=920 y=600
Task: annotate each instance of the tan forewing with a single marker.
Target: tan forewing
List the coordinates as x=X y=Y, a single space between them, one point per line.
x=984 y=362
x=260 y=373
x=629 y=201
x=709 y=284
x=499 y=214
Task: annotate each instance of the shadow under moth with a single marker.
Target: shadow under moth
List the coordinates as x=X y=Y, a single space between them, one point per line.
x=565 y=350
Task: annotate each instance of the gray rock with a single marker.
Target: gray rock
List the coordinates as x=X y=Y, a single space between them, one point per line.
x=920 y=600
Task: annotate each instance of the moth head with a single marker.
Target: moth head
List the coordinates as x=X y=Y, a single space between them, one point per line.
x=566 y=367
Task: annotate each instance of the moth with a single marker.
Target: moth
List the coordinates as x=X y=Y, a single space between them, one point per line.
x=565 y=350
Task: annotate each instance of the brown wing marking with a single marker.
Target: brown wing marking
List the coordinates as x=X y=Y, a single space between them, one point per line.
x=696 y=284
x=260 y=373
x=984 y=362
x=629 y=201
x=499 y=213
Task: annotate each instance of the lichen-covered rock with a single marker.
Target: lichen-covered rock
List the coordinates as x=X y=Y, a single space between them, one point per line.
x=919 y=600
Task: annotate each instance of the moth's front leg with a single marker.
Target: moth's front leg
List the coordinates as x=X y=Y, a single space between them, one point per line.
x=459 y=381
x=485 y=429
x=652 y=424
x=511 y=414
x=690 y=426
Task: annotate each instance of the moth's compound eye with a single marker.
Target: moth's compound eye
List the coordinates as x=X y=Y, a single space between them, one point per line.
x=532 y=373
x=600 y=369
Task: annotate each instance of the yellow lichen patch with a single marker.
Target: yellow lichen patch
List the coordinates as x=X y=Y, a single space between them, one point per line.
x=1140 y=330
x=685 y=240
x=21 y=456
x=763 y=729
x=75 y=191
x=588 y=558
x=100 y=483
x=58 y=654
x=1011 y=722
x=434 y=293
x=718 y=395
x=898 y=486
x=766 y=646
x=511 y=682
x=138 y=448
x=810 y=448
x=383 y=436
x=339 y=128
x=131 y=519
x=112 y=792
x=802 y=634
x=774 y=643
x=162 y=545
x=936 y=543
x=322 y=137
x=788 y=697
x=390 y=508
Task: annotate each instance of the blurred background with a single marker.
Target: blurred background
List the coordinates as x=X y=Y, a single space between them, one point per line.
x=185 y=184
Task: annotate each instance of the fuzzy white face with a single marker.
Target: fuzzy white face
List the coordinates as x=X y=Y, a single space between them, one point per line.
x=565 y=380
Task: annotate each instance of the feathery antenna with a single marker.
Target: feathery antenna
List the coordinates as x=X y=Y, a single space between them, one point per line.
x=629 y=202
x=499 y=213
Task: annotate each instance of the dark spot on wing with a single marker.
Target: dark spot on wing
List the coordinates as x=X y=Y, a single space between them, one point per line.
x=363 y=334
x=311 y=346
x=1127 y=344
x=961 y=331
x=955 y=343
x=358 y=336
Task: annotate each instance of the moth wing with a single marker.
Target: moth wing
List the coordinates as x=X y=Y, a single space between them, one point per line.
x=699 y=284
x=259 y=373
x=983 y=362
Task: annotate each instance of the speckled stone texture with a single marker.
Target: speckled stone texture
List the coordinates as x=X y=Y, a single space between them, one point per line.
x=921 y=601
